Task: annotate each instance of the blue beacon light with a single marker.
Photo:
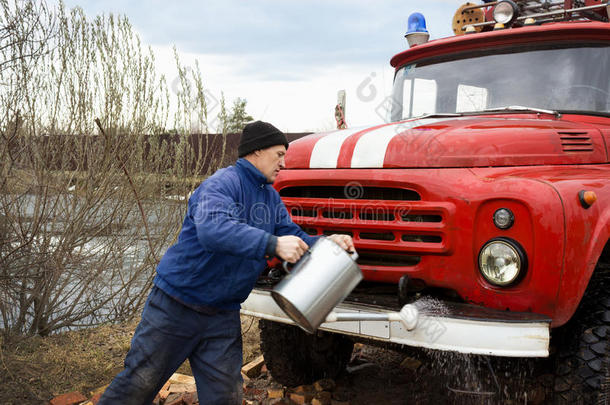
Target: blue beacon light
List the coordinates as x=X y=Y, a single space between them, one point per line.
x=417 y=33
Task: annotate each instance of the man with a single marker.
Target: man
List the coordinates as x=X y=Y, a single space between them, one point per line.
x=235 y=221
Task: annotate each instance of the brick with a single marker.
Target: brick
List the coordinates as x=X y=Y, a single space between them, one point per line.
x=321 y=398
x=277 y=401
x=181 y=379
x=253 y=392
x=163 y=394
x=99 y=390
x=174 y=399
x=324 y=385
x=176 y=387
x=276 y=392
x=301 y=397
x=253 y=369
x=71 y=398
x=96 y=398
x=303 y=388
x=190 y=398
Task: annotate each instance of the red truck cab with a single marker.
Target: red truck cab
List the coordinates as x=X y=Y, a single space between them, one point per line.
x=488 y=190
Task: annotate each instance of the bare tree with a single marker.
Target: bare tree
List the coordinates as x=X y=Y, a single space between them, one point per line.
x=25 y=30
x=83 y=218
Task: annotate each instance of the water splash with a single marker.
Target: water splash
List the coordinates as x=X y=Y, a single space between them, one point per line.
x=474 y=379
x=431 y=306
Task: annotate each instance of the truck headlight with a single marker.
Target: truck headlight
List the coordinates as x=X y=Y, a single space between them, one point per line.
x=505 y=12
x=502 y=261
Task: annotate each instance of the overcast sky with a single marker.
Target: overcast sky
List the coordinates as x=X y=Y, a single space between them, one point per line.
x=287 y=58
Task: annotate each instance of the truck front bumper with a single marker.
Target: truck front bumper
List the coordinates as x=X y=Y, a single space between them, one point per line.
x=460 y=327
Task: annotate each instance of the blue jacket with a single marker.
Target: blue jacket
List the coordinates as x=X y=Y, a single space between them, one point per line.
x=221 y=248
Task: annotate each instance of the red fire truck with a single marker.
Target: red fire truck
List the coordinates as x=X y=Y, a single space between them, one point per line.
x=488 y=191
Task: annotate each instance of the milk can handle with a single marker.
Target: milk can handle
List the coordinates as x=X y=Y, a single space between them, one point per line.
x=353 y=255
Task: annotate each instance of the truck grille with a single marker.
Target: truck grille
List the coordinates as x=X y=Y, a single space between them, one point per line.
x=352 y=191
x=391 y=227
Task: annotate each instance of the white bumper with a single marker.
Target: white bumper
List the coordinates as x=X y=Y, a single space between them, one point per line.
x=501 y=334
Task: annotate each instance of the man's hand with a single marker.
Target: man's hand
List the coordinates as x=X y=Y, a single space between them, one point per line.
x=345 y=241
x=290 y=248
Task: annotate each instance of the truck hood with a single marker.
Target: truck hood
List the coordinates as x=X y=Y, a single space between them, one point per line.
x=473 y=141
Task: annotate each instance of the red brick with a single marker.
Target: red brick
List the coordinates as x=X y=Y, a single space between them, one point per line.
x=253 y=392
x=301 y=397
x=303 y=388
x=96 y=398
x=71 y=398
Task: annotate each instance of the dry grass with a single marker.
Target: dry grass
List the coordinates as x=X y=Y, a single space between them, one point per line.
x=34 y=370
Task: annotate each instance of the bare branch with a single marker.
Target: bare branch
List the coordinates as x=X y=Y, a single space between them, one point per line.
x=84 y=217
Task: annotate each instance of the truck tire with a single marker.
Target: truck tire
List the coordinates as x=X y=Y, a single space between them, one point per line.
x=582 y=368
x=294 y=357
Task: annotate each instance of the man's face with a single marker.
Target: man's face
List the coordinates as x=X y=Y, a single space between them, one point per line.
x=270 y=161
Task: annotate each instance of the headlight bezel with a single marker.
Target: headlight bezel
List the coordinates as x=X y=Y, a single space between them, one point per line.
x=520 y=253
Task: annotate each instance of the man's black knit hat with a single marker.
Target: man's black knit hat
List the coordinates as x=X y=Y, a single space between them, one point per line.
x=260 y=135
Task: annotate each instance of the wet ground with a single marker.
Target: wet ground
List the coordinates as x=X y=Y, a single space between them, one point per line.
x=383 y=376
x=417 y=377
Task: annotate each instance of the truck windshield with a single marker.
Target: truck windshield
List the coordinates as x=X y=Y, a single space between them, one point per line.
x=563 y=79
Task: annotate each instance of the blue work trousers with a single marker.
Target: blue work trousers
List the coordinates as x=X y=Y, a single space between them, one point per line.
x=167 y=335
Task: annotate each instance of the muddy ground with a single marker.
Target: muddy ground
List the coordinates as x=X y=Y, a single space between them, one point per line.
x=402 y=375
x=378 y=375
x=34 y=370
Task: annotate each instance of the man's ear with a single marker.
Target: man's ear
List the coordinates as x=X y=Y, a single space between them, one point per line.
x=257 y=152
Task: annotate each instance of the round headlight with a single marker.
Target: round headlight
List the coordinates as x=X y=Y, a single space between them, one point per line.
x=504 y=218
x=505 y=12
x=502 y=261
